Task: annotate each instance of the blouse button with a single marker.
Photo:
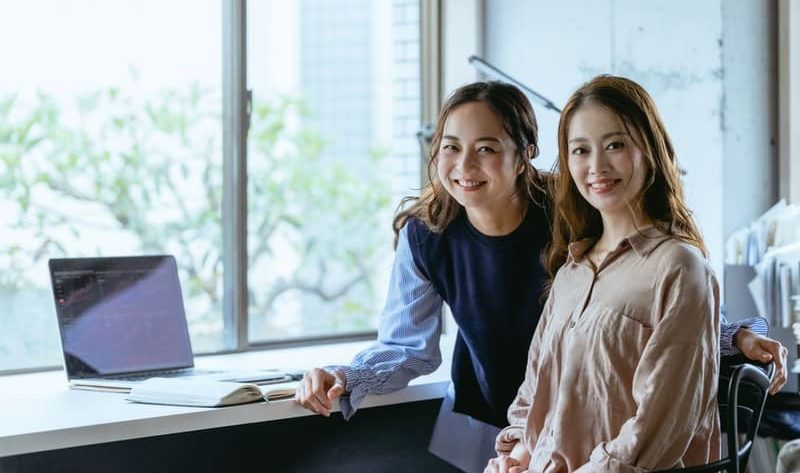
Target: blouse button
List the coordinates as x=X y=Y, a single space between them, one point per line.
x=571 y=324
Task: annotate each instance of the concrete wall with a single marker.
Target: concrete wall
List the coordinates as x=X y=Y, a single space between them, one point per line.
x=709 y=65
x=750 y=104
x=462 y=36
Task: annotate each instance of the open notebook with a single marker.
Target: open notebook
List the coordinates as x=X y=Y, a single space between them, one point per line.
x=198 y=392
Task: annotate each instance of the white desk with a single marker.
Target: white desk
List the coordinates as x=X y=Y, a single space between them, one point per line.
x=38 y=412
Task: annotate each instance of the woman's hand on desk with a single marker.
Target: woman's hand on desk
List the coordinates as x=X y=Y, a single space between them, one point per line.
x=759 y=348
x=319 y=389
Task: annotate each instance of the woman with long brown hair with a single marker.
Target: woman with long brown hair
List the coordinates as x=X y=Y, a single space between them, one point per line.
x=622 y=370
x=473 y=239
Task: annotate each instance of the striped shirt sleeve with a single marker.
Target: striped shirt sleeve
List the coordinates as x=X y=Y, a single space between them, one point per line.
x=408 y=335
x=728 y=331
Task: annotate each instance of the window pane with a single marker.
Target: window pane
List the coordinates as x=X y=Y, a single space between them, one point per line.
x=110 y=141
x=332 y=149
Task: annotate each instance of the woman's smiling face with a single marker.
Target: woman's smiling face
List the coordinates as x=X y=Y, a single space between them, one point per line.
x=606 y=165
x=477 y=161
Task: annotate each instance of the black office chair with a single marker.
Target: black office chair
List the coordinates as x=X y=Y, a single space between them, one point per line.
x=741 y=409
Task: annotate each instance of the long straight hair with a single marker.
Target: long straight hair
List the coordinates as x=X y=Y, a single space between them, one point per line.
x=661 y=196
x=435 y=206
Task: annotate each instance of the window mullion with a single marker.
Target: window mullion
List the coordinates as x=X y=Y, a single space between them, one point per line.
x=234 y=203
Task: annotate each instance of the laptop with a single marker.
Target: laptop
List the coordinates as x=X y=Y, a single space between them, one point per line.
x=121 y=321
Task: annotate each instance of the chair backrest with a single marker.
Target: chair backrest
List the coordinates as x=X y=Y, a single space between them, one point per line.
x=742 y=408
x=747 y=394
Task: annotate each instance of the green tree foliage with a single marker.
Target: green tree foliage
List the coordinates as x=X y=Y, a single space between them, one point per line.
x=117 y=166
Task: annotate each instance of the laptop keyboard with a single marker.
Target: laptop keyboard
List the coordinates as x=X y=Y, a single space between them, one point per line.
x=176 y=373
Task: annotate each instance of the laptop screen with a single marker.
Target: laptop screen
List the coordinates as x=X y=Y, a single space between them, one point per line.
x=120 y=315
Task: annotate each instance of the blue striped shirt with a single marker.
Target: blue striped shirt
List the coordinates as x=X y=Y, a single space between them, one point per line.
x=410 y=327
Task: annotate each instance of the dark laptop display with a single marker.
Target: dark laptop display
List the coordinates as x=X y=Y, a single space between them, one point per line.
x=120 y=315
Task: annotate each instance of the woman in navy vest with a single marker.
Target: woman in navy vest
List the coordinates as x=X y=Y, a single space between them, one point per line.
x=473 y=239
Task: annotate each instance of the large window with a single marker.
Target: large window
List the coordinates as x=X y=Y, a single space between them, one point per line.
x=111 y=143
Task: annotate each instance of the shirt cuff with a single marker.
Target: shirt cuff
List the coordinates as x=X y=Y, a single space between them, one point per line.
x=758 y=325
x=603 y=461
x=354 y=385
x=507 y=438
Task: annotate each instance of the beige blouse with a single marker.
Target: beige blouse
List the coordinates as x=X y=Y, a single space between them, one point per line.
x=622 y=369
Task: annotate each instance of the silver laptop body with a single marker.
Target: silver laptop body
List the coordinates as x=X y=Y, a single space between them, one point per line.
x=121 y=320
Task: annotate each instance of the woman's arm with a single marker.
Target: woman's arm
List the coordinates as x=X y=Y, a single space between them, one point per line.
x=749 y=337
x=765 y=350
x=675 y=382
x=728 y=332
x=407 y=346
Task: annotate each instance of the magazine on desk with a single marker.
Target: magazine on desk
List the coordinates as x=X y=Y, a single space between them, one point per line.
x=197 y=392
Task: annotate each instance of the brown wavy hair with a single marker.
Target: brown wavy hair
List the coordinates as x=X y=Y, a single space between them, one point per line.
x=435 y=206
x=661 y=196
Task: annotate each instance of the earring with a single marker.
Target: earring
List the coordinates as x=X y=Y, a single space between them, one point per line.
x=530 y=151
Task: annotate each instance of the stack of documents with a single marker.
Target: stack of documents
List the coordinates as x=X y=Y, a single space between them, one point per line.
x=778 y=227
x=771 y=245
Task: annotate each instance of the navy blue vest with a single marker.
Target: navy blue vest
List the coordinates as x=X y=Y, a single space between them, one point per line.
x=493 y=286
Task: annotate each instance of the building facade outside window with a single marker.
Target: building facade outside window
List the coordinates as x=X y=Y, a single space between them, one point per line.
x=342 y=78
